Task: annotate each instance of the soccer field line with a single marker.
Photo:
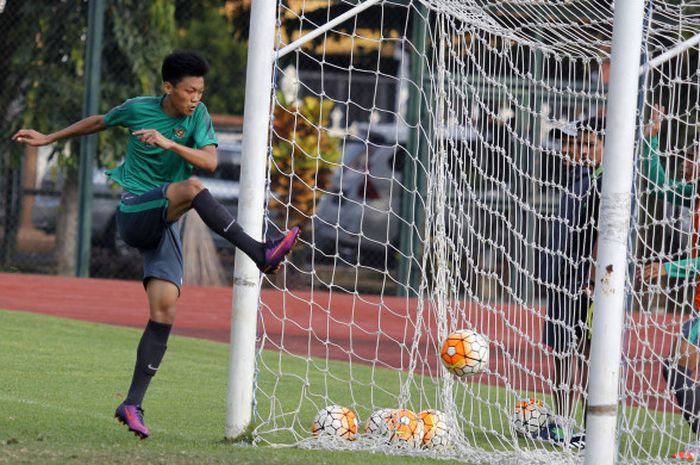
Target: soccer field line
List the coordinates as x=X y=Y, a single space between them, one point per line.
x=96 y=416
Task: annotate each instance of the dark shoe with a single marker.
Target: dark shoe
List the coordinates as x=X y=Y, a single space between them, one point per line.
x=578 y=440
x=554 y=433
x=551 y=432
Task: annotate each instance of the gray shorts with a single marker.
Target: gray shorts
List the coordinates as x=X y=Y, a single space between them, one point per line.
x=141 y=221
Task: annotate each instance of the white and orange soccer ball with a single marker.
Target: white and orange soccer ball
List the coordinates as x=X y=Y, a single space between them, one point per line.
x=465 y=352
x=405 y=427
x=377 y=423
x=436 y=434
x=529 y=416
x=335 y=420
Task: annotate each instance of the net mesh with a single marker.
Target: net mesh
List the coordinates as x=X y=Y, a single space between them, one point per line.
x=424 y=149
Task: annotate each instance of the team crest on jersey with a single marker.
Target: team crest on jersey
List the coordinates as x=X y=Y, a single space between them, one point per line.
x=179 y=132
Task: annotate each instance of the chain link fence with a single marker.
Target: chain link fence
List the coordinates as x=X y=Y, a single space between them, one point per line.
x=42 y=54
x=43 y=51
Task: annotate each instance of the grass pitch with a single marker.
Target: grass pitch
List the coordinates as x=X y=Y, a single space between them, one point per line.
x=60 y=381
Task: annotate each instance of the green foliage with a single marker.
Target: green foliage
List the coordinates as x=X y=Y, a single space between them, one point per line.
x=134 y=46
x=50 y=60
x=144 y=34
x=46 y=80
x=213 y=34
x=47 y=67
x=301 y=133
x=304 y=153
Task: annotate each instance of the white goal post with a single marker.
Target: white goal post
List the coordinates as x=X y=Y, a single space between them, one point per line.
x=615 y=211
x=439 y=156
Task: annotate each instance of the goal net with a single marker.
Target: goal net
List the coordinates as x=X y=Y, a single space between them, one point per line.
x=440 y=157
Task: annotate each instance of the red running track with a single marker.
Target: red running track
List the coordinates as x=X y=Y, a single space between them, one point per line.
x=361 y=328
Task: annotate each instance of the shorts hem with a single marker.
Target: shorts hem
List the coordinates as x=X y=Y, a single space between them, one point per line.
x=162 y=278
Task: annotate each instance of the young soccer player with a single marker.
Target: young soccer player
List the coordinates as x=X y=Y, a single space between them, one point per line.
x=168 y=136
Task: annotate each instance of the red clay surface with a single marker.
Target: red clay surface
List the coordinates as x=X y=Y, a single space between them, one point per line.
x=361 y=328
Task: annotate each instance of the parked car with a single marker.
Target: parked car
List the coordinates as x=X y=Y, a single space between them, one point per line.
x=223 y=184
x=360 y=217
x=104 y=204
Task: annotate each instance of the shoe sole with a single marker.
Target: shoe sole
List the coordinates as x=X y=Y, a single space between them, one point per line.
x=279 y=265
x=138 y=434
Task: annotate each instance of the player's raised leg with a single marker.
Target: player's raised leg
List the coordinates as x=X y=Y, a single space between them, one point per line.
x=192 y=194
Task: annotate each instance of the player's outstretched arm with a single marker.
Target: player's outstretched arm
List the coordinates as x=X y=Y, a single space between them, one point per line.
x=85 y=126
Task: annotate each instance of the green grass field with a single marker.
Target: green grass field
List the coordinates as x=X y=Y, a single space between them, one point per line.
x=60 y=381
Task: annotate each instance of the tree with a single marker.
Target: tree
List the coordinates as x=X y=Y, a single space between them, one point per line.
x=303 y=154
x=46 y=78
x=213 y=33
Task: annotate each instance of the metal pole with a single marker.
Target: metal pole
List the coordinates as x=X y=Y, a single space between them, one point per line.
x=352 y=12
x=671 y=53
x=246 y=283
x=88 y=145
x=413 y=175
x=614 y=217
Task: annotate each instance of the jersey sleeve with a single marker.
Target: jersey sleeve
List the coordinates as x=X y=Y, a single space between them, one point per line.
x=677 y=192
x=120 y=115
x=686 y=268
x=204 y=133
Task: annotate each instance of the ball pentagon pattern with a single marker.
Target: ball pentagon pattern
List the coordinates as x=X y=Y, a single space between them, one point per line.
x=335 y=420
x=435 y=431
x=376 y=425
x=465 y=352
x=404 y=426
x=529 y=416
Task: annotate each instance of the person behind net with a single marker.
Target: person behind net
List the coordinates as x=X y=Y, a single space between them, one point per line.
x=567 y=271
x=169 y=134
x=680 y=375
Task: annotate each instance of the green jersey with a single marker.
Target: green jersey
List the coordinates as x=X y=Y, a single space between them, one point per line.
x=147 y=167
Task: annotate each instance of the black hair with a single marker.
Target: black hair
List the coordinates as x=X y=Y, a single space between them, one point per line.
x=593 y=124
x=181 y=64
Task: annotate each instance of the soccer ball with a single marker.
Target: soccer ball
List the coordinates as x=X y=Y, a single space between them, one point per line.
x=377 y=423
x=335 y=420
x=529 y=416
x=465 y=352
x=435 y=432
x=404 y=427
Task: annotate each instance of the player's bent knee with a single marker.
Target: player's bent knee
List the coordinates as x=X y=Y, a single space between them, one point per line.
x=184 y=191
x=195 y=186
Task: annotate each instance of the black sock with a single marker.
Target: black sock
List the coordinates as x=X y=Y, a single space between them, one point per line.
x=222 y=223
x=686 y=391
x=148 y=357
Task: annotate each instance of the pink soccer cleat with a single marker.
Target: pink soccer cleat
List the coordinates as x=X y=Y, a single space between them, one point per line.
x=276 y=250
x=132 y=416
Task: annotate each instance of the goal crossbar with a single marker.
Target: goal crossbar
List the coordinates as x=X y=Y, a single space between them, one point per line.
x=354 y=11
x=670 y=54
